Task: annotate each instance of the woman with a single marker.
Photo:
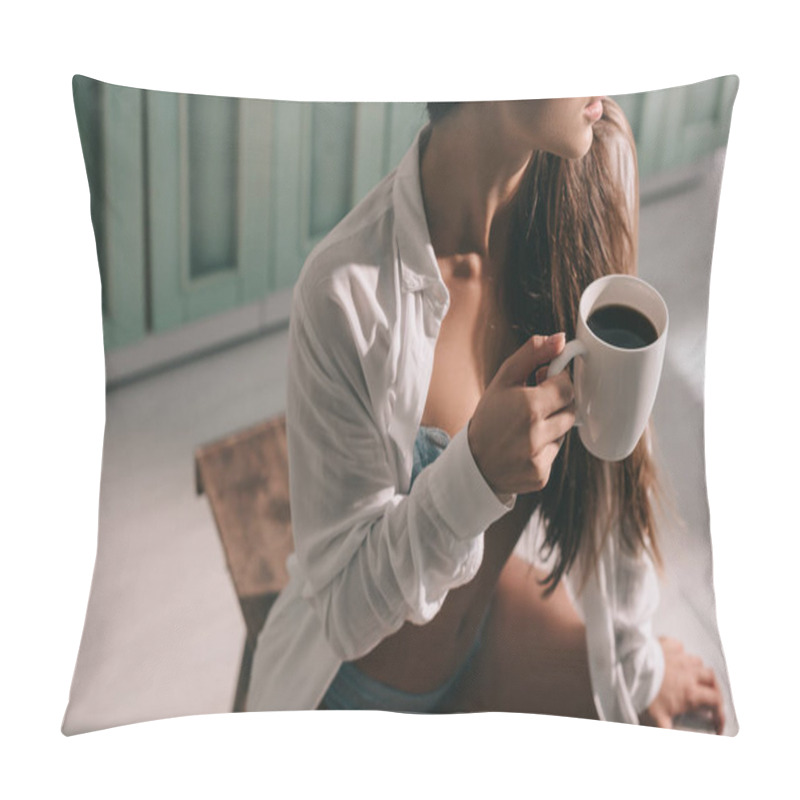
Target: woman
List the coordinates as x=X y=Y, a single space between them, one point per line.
x=427 y=449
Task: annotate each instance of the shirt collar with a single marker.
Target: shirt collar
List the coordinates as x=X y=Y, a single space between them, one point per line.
x=418 y=267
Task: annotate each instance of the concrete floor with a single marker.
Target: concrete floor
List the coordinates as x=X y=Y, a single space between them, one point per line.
x=163 y=632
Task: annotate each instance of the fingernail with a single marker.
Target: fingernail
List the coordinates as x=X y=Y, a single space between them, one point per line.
x=555 y=337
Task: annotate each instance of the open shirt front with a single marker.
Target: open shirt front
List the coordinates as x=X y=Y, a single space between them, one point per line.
x=371 y=551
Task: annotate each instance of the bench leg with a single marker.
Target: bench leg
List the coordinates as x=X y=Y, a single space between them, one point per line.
x=244 y=674
x=255 y=609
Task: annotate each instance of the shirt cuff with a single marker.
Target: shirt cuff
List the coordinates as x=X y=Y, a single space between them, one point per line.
x=461 y=494
x=650 y=682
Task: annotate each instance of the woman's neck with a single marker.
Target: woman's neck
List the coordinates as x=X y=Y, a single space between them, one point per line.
x=469 y=176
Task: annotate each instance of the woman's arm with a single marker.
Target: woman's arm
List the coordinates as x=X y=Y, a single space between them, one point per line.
x=617 y=599
x=372 y=557
x=651 y=679
x=689 y=686
x=634 y=603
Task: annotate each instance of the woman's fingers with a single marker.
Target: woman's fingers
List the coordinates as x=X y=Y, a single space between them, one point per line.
x=533 y=353
x=551 y=396
x=554 y=428
x=689 y=687
x=662 y=720
x=539 y=472
x=720 y=718
x=704 y=697
x=707 y=677
x=715 y=715
x=709 y=690
x=671 y=645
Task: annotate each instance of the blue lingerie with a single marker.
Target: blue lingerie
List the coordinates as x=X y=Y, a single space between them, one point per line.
x=351 y=688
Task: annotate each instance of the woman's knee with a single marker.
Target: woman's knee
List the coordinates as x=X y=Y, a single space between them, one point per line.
x=533 y=655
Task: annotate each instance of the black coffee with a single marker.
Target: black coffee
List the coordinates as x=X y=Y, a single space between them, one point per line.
x=622 y=326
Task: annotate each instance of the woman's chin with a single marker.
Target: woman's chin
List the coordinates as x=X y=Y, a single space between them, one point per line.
x=574 y=147
x=581 y=149
x=576 y=152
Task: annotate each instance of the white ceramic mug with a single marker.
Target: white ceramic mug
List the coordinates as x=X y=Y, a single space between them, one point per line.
x=615 y=387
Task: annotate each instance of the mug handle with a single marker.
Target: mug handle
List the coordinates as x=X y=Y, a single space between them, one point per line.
x=558 y=364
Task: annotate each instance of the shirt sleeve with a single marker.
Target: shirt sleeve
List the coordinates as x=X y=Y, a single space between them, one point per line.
x=638 y=650
x=372 y=556
x=617 y=602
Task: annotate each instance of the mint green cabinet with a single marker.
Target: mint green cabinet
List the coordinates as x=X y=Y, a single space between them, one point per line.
x=327 y=156
x=674 y=127
x=240 y=191
x=208 y=211
x=115 y=168
x=203 y=205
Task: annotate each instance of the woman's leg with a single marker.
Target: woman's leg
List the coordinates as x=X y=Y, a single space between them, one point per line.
x=533 y=654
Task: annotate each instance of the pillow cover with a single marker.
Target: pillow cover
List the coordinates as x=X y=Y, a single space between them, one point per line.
x=204 y=210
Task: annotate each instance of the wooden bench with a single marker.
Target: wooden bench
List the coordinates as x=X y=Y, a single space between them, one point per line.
x=245 y=477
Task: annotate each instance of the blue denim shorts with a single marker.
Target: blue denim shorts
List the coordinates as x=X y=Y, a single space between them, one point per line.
x=351 y=688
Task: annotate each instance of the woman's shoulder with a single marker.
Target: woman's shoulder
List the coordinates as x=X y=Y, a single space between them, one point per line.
x=362 y=240
x=338 y=292
x=344 y=290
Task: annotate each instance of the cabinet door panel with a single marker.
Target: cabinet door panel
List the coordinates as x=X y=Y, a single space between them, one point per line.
x=208 y=204
x=675 y=127
x=328 y=156
x=204 y=204
x=212 y=186
x=124 y=242
x=404 y=120
x=329 y=160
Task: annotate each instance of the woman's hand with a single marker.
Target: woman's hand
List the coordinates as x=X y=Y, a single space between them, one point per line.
x=688 y=686
x=517 y=430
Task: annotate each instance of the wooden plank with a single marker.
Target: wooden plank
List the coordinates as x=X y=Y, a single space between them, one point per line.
x=369 y=148
x=88 y=111
x=208 y=292
x=246 y=479
x=165 y=209
x=405 y=119
x=291 y=121
x=651 y=132
x=124 y=245
x=329 y=169
x=174 y=347
x=255 y=232
x=178 y=295
x=214 y=147
x=730 y=87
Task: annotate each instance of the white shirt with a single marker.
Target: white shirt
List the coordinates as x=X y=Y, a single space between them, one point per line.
x=369 y=553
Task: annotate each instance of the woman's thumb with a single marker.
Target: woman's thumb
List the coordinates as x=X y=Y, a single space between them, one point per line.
x=664 y=720
x=533 y=353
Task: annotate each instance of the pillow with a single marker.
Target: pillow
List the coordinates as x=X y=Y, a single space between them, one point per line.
x=204 y=210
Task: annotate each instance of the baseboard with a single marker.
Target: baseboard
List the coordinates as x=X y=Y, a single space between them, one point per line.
x=159 y=352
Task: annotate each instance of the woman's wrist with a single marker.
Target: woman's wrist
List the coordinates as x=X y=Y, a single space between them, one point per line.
x=465 y=500
x=505 y=498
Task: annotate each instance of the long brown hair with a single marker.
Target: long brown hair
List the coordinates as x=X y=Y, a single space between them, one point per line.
x=576 y=220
